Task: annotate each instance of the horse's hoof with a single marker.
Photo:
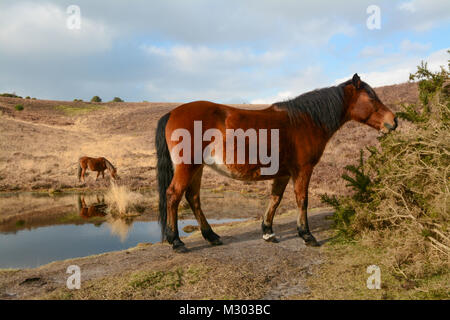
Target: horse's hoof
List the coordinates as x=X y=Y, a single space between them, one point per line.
x=216 y=242
x=180 y=249
x=274 y=240
x=211 y=237
x=312 y=242
x=271 y=238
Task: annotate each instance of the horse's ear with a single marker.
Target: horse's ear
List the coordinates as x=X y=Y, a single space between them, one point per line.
x=356 y=81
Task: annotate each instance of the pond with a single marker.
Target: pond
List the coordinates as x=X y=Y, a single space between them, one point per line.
x=34 y=236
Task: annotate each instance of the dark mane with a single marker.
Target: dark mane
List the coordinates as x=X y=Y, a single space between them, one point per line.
x=109 y=165
x=325 y=106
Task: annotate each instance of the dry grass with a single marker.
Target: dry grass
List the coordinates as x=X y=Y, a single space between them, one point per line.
x=121 y=200
x=344 y=276
x=71 y=110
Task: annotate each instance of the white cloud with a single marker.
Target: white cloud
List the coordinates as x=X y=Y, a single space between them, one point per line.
x=251 y=50
x=423 y=15
x=199 y=58
x=37 y=29
x=400 y=73
x=280 y=96
x=409 y=46
x=190 y=72
x=371 y=51
x=407 y=6
x=296 y=84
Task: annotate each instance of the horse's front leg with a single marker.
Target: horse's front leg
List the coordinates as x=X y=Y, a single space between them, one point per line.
x=301 y=184
x=98 y=174
x=278 y=187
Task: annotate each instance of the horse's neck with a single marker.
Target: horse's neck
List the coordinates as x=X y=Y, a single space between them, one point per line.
x=109 y=166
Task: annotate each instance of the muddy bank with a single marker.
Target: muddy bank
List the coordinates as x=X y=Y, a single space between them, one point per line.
x=245 y=267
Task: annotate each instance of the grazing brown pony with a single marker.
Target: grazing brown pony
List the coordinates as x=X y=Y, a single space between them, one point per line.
x=305 y=124
x=95 y=164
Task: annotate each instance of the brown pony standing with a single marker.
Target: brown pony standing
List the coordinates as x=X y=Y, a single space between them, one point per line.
x=95 y=164
x=305 y=125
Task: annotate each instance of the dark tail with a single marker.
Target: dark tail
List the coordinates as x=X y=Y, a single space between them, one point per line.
x=79 y=171
x=165 y=171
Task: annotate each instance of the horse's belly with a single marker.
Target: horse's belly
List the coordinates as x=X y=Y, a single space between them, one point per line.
x=238 y=172
x=224 y=170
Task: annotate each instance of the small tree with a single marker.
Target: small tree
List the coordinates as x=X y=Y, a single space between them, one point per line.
x=96 y=99
x=117 y=99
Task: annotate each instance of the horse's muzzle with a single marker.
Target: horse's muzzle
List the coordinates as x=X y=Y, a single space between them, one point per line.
x=391 y=127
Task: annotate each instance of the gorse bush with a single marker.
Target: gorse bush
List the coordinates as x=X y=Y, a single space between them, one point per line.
x=96 y=99
x=10 y=95
x=430 y=84
x=18 y=107
x=401 y=193
x=117 y=99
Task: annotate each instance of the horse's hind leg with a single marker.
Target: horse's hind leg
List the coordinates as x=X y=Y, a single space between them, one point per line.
x=193 y=198
x=98 y=174
x=180 y=182
x=278 y=187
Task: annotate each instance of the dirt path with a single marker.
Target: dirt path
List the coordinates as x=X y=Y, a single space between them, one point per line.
x=245 y=267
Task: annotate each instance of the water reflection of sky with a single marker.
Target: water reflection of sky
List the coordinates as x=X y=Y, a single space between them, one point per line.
x=35 y=247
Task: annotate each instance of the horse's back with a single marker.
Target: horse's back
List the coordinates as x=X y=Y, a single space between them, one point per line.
x=95 y=164
x=200 y=109
x=221 y=116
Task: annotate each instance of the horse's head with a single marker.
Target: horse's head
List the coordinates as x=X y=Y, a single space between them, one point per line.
x=114 y=174
x=364 y=106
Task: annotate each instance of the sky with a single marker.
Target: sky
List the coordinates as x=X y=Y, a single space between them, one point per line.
x=232 y=51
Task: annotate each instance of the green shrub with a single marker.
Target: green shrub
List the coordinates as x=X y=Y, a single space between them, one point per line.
x=19 y=107
x=401 y=192
x=27 y=97
x=10 y=95
x=96 y=99
x=77 y=100
x=117 y=99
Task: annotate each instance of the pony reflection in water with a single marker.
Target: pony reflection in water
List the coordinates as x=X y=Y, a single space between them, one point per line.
x=97 y=209
x=96 y=164
x=305 y=125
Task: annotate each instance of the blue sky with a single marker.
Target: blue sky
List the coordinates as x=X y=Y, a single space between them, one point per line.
x=253 y=51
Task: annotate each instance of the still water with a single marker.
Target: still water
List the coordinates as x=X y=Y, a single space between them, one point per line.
x=31 y=238
x=32 y=248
